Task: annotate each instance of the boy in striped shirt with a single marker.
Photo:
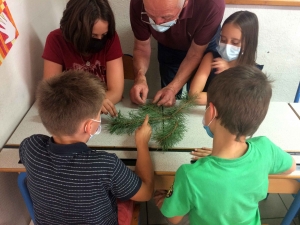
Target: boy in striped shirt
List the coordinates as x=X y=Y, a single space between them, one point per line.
x=68 y=182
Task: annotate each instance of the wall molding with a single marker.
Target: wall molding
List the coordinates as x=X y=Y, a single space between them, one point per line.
x=264 y=2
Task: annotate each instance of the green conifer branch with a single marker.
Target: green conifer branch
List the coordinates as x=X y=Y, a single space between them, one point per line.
x=168 y=123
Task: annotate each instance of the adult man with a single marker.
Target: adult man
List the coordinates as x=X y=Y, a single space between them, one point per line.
x=183 y=30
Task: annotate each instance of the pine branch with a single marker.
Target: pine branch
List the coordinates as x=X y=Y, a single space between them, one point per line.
x=168 y=123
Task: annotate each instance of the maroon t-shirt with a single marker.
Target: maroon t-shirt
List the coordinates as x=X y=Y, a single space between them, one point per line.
x=198 y=21
x=58 y=50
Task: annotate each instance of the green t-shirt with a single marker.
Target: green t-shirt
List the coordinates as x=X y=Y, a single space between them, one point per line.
x=226 y=191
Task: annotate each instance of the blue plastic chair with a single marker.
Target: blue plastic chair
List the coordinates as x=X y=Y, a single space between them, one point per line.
x=25 y=194
x=295 y=206
x=292 y=211
x=297 y=96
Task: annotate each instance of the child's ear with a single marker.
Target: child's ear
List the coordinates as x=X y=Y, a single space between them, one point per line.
x=87 y=127
x=212 y=110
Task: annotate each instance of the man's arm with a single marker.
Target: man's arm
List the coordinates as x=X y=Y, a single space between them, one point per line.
x=166 y=96
x=141 y=59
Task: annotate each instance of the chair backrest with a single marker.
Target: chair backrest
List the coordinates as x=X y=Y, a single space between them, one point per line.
x=25 y=194
x=128 y=67
x=297 y=96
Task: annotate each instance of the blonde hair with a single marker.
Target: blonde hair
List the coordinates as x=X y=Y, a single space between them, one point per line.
x=67 y=99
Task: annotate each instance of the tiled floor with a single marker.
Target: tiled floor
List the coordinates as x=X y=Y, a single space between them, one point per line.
x=274 y=208
x=272 y=211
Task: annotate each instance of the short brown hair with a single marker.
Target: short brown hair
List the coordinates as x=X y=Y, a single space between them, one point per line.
x=79 y=18
x=248 y=23
x=67 y=99
x=241 y=96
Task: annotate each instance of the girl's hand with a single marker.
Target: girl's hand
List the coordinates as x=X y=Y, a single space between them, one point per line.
x=109 y=107
x=220 y=65
x=200 y=153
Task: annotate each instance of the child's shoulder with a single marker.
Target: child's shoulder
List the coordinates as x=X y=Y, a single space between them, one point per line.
x=260 y=141
x=56 y=36
x=56 y=33
x=36 y=138
x=263 y=144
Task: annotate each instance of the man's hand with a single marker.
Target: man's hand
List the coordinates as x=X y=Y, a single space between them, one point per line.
x=109 y=107
x=143 y=133
x=165 y=97
x=220 y=65
x=139 y=92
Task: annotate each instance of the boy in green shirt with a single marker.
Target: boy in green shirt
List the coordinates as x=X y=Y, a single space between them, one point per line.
x=225 y=187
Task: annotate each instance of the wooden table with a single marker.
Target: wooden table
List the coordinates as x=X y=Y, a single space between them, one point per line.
x=296 y=108
x=281 y=125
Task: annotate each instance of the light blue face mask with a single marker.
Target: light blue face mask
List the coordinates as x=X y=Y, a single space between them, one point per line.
x=98 y=131
x=228 y=52
x=207 y=129
x=162 y=27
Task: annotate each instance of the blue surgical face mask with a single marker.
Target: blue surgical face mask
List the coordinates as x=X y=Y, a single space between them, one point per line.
x=162 y=27
x=228 y=52
x=206 y=127
x=98 y=131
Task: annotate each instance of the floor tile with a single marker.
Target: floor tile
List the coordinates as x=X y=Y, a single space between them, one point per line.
x=154 y=215
x=287 y=199
x=272 y=207
x=272 y=221
x=277 y=221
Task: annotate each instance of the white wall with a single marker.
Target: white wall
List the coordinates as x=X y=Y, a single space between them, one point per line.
x=278 y=50
x=22 y=67
x=19 y=74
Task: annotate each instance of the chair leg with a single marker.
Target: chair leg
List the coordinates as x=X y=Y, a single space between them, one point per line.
x=292 y=211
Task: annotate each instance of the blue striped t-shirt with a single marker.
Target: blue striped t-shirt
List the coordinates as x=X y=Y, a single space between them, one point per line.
x=72 y=184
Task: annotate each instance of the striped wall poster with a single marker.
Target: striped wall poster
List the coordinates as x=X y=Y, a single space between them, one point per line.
x=8 y=30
